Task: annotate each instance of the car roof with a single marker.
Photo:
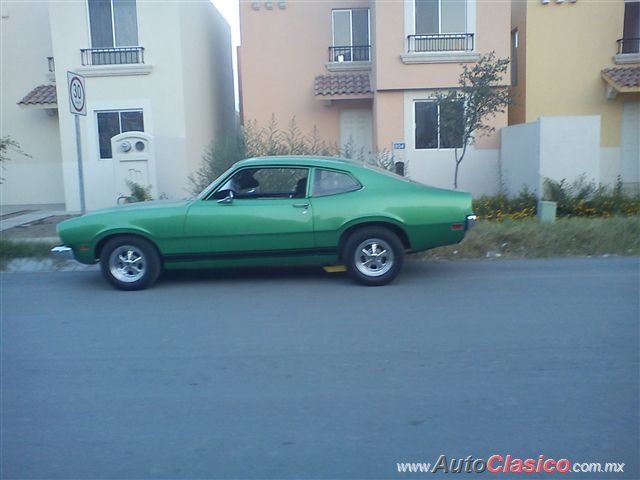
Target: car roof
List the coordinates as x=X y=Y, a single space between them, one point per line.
x=302 y=160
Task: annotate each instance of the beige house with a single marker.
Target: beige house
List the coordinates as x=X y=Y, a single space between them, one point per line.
x=364 y=71
x=160 y=69
x=576 y=77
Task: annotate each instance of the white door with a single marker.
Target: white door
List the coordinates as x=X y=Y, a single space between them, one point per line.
x=630 y=144
x=356 y=132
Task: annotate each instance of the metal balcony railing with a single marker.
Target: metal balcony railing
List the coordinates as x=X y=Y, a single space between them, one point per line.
x=441 y=42
x=356 y=53
x=52 y=64
x=112 y=56
x=628 y=45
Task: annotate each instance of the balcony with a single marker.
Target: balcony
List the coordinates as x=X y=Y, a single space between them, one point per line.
x=628 y=51
x=443 y=42
x=356 y=57
x=357 y=53
x=112 y=56
x=440 y=48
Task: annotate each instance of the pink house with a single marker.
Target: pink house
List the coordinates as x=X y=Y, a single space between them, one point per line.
x=364 y=71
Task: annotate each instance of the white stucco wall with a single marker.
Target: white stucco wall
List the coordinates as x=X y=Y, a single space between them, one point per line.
x=630 y=146
x=520 y=157
x=207 y=77
x=24 y=47
x=570 y=147
x=557 y=148
x=179 y=97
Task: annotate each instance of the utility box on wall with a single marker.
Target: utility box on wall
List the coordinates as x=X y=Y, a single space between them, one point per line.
x=133 y=161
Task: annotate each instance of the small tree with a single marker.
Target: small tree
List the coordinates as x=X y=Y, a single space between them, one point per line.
x=7 y=144
x=465 y=111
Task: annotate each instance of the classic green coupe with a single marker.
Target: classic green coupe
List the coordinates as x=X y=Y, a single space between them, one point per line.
x=274 y=211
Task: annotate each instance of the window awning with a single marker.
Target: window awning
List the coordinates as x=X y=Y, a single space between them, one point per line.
x=621 y=80
x=43 y=96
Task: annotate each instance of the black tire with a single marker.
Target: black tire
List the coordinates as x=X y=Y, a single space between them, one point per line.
x=130 y=263
x=385 y=259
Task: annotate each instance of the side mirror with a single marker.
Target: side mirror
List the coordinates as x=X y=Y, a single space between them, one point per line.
x=227 y=198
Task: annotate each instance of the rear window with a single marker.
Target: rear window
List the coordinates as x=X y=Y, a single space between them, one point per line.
x=329 y=182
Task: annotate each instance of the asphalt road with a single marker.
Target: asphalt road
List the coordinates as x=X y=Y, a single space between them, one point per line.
x=302 y=374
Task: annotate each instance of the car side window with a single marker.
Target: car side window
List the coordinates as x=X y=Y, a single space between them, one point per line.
x=329 y=182
x=267 y=183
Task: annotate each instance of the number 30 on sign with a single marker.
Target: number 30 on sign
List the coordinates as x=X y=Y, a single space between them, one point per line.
x=77 y=97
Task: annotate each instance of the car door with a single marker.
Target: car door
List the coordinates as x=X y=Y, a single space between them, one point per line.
x=258 y=211
x=335 y=200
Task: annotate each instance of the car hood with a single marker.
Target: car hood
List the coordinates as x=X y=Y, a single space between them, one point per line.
x=141 y=206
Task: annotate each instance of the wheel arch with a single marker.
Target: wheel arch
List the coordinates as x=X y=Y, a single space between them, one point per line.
x=391 y=226
x=107 y=236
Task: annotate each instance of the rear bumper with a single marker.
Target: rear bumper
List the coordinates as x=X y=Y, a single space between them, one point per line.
x=62 y=252
x=470 y=222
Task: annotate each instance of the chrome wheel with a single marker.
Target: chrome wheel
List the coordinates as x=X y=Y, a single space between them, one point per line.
x=127 y=263
x=373 y=257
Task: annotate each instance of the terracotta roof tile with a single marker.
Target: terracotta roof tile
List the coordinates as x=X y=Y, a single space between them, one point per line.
x=342 y=84
x=624 y=77
x=41 y=95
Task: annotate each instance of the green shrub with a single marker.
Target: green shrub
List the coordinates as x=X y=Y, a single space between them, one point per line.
x=586 y=199
x=577 y=199
x=501 y=207
x=138 y=192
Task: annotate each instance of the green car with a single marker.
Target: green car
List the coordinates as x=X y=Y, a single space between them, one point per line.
x=274 y=211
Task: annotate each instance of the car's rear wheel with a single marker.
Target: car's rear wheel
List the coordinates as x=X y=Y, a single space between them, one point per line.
x=373 y=256
x=130 y=263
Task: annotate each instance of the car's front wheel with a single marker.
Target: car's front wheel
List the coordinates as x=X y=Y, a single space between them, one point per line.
x=373 y=256
x=130 y=263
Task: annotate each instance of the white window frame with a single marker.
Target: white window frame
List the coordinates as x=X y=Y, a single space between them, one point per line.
x=113 y=27
x=350 y=10
x=466 y=15
x=410 y=18
x=118 y=111
x=430 y=100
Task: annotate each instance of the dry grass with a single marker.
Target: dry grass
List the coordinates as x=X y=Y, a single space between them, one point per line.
x=529 y=239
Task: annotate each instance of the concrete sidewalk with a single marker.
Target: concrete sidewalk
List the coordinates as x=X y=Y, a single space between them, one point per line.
x=22 y=214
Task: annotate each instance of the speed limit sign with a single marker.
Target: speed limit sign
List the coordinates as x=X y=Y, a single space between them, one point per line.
x=77 y=95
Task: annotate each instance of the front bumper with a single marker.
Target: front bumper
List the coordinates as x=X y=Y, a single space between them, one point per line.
x=471 y=221
x=62 y=252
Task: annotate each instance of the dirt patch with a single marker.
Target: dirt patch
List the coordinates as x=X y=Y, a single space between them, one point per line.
x=43 y=228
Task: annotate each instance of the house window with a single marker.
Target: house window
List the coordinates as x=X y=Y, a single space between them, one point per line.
x=440 y=26
x=440 y=16
x=112 y=123
x=113 y=23
x=351 y=36
x=430 y=134
x=631 y=29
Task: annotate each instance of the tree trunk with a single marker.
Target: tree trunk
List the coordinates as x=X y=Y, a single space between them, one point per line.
x=458 y=162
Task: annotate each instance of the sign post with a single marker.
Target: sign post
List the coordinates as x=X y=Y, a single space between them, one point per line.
x=78 y=106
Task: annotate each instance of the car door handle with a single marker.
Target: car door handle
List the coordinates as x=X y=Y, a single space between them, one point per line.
x=300 y=205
